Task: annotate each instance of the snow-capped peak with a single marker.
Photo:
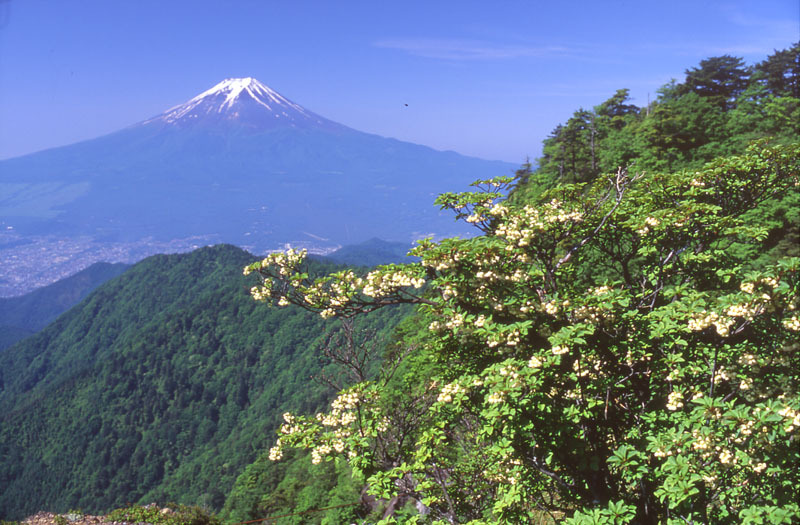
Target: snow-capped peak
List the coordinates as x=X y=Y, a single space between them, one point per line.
x=233 y=88
x=246 y=102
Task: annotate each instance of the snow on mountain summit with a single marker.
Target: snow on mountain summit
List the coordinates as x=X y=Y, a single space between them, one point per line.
x=233 y=88
x=243 y=101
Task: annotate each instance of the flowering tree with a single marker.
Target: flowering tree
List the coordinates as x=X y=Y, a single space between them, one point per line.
x=600 y=355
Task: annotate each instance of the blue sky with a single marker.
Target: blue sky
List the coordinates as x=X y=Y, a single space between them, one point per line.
x=487 y=79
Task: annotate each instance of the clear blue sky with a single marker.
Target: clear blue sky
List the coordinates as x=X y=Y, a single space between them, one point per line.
x=488 y=79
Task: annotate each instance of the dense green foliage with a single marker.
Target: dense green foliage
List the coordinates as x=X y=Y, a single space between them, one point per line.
x=161 y=386
x=297 y=488
x=720 y=108
x=23 y=316
x=620 y=343
x=169 y=515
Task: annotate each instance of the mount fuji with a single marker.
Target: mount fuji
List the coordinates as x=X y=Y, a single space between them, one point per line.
x=247 y=103
x=238 y=163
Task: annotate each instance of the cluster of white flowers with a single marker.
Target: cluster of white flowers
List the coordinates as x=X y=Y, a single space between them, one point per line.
x=448 y=292
x=275 y=453
x=551 y=307
x=592 y=313
x=489 y=275
x=588 y=366
x=382 y=284
x=792 y=416
x=748 y=359
x=723 y=374
x=650 y=222
x=726 y=457
x=601 y=290
x=495 y=398
x=746 y=428
x=560 y=350
x=701 y=442
x=662 y=452
x=438 y=261
x=749 y=287
x=286 y=262
x=793 y=323
x=499 y=210
x=346 y=401
x=703 y=320
x=456 y=320
x=747 y=311
x=579 y=370
x=526 y=307
x=535 y=362
x=329 y=420
x=290 y=425
x=318 y=453
x=342 y=289
x=520 y=227
x=723 y=326
x=510 y=372
x=262 y=292
x=513 y=337
x=448 y=391
x=674 y=401
x=289 y=428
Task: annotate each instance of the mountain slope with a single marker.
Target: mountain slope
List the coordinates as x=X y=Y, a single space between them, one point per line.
x=373 y=252
x=23 y=316
x=239 y=163
x=163 y=384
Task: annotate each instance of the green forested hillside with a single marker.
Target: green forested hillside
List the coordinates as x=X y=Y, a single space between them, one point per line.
x=161 y=386
x=720 y=107
x=26 y=315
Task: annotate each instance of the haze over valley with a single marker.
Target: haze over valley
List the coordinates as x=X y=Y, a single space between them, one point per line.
x=239 y=163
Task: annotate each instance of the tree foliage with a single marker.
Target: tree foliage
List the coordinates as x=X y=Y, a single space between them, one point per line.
x=157 y=388
x=599 y=353
x=720 y=107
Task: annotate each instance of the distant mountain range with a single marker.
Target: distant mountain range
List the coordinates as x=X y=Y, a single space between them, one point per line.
x=238 y=163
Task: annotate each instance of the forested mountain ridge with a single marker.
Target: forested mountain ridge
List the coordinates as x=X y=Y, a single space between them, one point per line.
x=23 y=316
x=721 y=106
x=161 y=385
